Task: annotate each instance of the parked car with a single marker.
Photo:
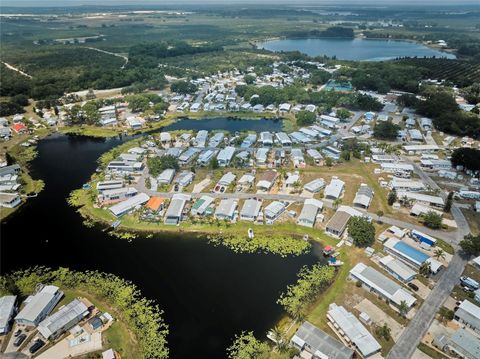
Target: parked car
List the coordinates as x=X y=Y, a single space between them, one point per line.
x=36 y=346
x=413 y=286
x=469 y=282
x=467 y=289
x=17 y=333
x=19 y=340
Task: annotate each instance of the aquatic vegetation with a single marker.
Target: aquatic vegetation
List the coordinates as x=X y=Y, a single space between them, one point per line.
x=281 y=245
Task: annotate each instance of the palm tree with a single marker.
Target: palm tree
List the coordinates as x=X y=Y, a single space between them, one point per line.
x=337 y=203
x=380 y=215
x=439 y=253
x=279 y=338
x=403 y=308
x=424 y=269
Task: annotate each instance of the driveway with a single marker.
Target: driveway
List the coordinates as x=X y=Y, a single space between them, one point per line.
x=67 y=348
x=379 y=317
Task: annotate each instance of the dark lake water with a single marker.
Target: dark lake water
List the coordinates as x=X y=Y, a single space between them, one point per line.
x=228 y=124
x=208 y=293
x=354 y=49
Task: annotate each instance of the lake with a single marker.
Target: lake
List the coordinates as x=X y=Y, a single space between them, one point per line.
x=354 y=49
x=208 y=293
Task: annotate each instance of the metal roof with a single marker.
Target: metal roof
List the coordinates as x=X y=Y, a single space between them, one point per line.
x=251 y=208
x=382 y=284
x=7 y=304
x=465 y=343
x=318 y=342
x=354 y=330
x=68 y=315
x=38 y=303
x=335 y=188
x=123 y=207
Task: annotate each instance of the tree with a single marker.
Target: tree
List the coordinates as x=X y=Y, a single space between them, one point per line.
x=386 y=130
x=432 y=220
x=424 y=269
x=337 y=203
x=380 y=215
x=249 y=79
x=445 y=314
x=246 y=346
x=309 y=283
x=183 y=87
x=329 y=162
x=439 y=253
x=138 y=103
x=448 y=203
x=278 y=336
x=472 y=93
x=345 y=155
x=466 y=157
x=361 y=230
x=384 y=331
x=403 y=308
x=213 y=165
x=392 y=197
x=158 y=164
x=471 y=244
x=305 y=118
x=343 y=113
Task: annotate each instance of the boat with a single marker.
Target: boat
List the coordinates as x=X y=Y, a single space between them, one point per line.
x=86 y=186
x=305 y=237
x=250 y=233
x=333 y=262
x=116 y=223
x=328 y=250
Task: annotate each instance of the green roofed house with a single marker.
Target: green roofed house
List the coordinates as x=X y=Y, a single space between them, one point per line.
x=203 y=206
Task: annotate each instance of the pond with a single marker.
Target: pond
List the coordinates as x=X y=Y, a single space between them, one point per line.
x=209 y=294
x=227 y=124
x=355 y=49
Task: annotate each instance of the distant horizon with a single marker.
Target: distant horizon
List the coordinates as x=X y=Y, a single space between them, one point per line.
x=106 y=3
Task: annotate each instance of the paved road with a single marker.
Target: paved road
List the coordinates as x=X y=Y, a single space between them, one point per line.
x=411 y=336
x=418 y=326
x=450 y=237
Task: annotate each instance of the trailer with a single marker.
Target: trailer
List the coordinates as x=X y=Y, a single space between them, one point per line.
x=423 y=238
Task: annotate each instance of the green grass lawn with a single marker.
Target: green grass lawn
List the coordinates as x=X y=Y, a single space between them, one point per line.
x=432 y=353
x=118 y=336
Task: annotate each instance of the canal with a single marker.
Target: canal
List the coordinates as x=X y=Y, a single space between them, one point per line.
x=208 y=293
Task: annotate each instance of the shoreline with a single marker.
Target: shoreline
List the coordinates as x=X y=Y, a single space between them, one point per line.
x=23 y=159
x=109 y=132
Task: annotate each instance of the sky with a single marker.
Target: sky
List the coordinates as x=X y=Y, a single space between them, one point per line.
x=63 y=3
